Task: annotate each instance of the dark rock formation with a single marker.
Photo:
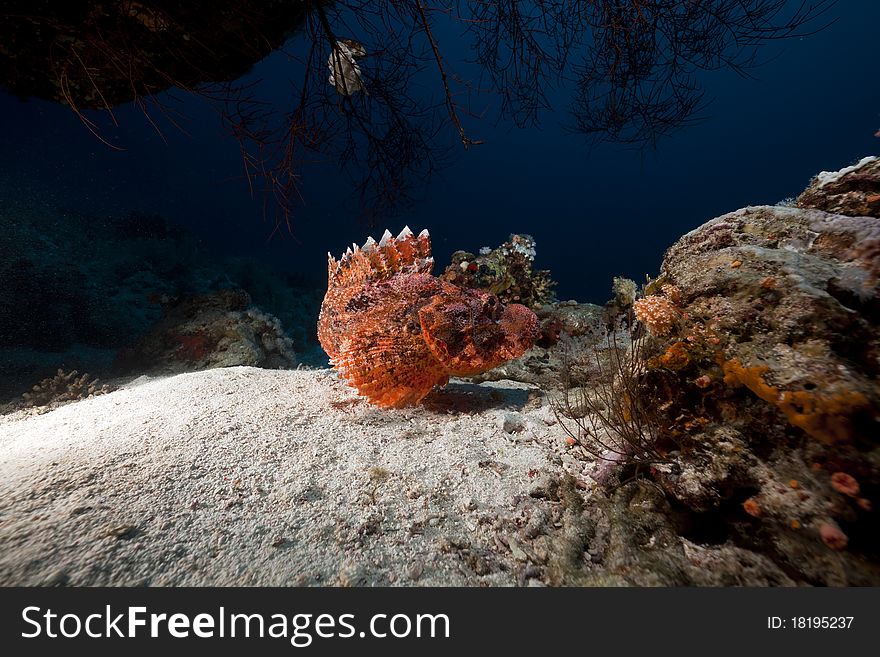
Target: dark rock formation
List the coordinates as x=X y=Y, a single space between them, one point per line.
x=98 y=55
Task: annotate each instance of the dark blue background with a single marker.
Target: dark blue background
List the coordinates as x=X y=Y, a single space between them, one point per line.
x=595 y=214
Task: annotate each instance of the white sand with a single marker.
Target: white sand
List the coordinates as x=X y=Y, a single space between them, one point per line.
x=263 y=477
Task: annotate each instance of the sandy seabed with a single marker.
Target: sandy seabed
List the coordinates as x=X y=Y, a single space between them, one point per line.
x=245 y=476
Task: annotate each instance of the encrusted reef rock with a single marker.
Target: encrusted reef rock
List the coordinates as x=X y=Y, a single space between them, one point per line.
x=634 y=536
x=759 y=358
x=766 y=346
x=792 y=305
x=853 y=191
x=211 y=330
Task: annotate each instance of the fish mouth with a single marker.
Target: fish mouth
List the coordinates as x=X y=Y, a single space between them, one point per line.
x=521 y=329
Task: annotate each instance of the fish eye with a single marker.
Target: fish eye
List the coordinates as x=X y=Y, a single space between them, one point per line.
x=492 y=307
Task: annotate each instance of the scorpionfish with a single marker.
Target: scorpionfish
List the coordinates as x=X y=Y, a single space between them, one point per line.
x=394 y=331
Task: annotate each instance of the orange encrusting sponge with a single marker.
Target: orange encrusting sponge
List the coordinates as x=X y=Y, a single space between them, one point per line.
x=823 y=416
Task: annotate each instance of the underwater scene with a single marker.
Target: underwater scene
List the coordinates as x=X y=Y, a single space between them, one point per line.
x=397 y=293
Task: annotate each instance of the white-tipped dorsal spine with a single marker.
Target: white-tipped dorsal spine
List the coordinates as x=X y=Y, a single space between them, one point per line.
x=378 y=260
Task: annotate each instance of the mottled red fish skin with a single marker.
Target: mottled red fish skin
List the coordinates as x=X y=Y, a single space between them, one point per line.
x=394 y=331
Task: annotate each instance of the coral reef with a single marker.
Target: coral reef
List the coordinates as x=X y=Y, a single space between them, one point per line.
x=507 y=272
x=765 y=349
x=94 y=285
x=853 y=191
x=62 y=388
x=757 y=348
x=220 y=329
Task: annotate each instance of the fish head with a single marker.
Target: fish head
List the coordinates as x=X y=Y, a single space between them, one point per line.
x=471 y=332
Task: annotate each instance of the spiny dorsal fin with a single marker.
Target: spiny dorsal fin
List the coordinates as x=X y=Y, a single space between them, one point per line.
x=377 y=261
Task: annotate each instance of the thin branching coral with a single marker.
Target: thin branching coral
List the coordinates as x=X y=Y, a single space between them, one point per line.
x=611 y=416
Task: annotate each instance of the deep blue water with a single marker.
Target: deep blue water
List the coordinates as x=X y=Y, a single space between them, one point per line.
x=595 y=213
